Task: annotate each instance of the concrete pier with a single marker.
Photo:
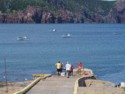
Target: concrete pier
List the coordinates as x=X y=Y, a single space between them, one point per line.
x=85 y=83
x=54 y=85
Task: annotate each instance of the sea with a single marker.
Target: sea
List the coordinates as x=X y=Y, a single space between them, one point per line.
x=100 y=47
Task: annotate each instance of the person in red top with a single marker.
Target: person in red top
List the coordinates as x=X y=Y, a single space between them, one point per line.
x=79 y=67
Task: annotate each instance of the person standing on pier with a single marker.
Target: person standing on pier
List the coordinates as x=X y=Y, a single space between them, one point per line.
x=80 y=68
x=71 y=71
x=59 y=67
x=68 y=69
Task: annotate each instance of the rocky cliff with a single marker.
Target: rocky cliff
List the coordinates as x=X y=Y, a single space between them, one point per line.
x=63 y=14
x=117 y=13
x=37 y=15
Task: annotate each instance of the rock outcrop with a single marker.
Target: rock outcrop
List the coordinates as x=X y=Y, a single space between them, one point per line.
x=117 y=13
x=35 y=14
x=39 y=15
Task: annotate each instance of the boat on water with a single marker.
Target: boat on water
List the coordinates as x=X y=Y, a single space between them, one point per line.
x=53 y=30
x=22 y=38
x=66 y=35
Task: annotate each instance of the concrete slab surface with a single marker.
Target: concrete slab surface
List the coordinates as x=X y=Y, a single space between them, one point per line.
x=54 y=85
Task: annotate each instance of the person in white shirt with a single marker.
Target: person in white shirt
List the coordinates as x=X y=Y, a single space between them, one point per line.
x=68 y=69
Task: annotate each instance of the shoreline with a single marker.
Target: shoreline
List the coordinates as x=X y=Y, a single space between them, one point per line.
x=13 y=86
x=90 y=84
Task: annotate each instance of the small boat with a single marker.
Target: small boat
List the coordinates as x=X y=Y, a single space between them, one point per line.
x=66 y=36
x=54 y=30
x=22 y=38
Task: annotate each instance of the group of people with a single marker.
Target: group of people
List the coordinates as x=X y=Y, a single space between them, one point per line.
x=68 y=68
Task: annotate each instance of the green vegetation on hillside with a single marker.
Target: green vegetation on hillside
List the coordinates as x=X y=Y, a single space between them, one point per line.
x=97 y=6
x=16 y=5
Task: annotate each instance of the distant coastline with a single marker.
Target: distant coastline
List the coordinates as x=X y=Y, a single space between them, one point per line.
x=87 y=12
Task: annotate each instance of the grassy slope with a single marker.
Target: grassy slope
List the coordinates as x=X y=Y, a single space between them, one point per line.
x=75 y=6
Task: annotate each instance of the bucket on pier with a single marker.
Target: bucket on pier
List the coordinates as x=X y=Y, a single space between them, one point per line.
x=63 y=74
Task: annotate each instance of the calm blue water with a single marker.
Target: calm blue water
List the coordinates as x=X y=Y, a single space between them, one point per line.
x=100 y=47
